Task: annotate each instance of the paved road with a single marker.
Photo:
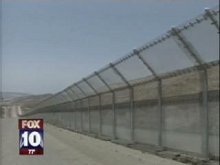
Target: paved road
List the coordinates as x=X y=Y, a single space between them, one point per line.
x=63 y=147
x=11 y=111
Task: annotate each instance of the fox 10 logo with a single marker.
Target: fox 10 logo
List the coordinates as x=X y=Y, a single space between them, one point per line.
x=31 y=136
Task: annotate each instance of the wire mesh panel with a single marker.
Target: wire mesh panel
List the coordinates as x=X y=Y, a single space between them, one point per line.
x=71 y=118
x=71 y=106
x=60 y=99
x=86 y=88
x=122 y=106
x=71 y=94
x=161 y=56
x=84 y=103
x=133 y=69
x=182 y=85
x=146 y=122
x=65 y=120
x=204 y=37
x=55 y=108
x=94 y=113
x=106 y=99
x=95 y=120
x=94 y=101
x=58 y=119
x=85 y=117
x=55 y=118
x=147 y=91
x=112 y=78
x=146 y=109
x=64 y=107
x=47 y=103
x=51 y=101
x=123 y=121
x=61 y=119
x=78 y=116
x=182 y=108
x=97 y=83
x=77 y=91
x=65 y=96
x=122 y=96
x=78 y=121
x=107 y=114
x=59 y=107
x=213 y=78
x=213 y=86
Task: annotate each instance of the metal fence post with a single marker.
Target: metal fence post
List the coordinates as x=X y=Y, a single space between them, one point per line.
x=205 y=94
x=114 y=116
x=161 y=114
x=132 y=113
x=71 y=116
x=100 y=116
x=81 y=116
x=205 y=114
x=89 y=113
x=75 y=120
x=74 y=114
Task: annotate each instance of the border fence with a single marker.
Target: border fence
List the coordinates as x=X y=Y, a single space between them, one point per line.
x=165 y=93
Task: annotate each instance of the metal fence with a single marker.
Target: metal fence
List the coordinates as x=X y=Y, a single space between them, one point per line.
x=140 y=97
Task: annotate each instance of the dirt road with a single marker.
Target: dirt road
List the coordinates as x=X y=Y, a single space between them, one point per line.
x=67 y=148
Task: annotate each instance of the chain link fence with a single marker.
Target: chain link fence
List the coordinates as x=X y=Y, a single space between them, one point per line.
x=165 y=93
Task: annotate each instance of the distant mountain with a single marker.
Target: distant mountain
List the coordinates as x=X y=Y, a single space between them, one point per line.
x=29 y=101
x=23 y=99
x=12 y=95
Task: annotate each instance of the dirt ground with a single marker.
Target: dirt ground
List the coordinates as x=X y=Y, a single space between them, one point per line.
x=63 y=147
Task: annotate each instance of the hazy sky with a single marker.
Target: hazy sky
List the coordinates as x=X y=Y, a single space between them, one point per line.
x=49 y=44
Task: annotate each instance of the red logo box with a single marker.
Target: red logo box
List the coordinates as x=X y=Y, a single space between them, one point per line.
x=30 y=124
x=31 y=136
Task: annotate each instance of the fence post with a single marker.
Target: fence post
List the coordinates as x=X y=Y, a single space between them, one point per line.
x=75 y=111
x=89 y=113
x=205 y=115
x=132 y=113
x=100 y=116
x=114 y=116
x=81 y=116
x=161 y=114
